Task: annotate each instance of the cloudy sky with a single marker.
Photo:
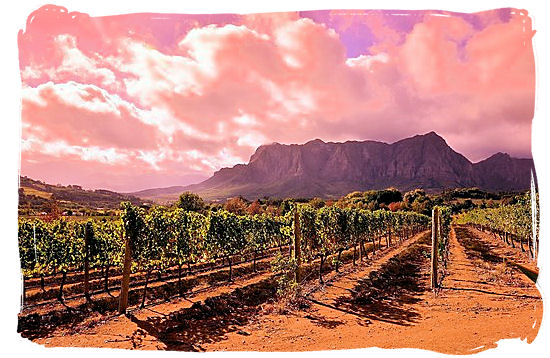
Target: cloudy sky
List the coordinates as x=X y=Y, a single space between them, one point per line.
x=148 y=100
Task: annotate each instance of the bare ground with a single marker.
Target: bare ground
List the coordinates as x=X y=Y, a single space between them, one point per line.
x=385 y=302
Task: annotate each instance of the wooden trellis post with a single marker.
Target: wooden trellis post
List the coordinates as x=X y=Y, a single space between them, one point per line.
x=24 y=298
x=125 y=284
x=297 y=255
x=87 y=236
x=435 y=226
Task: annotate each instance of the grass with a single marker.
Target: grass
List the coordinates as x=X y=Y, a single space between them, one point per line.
x=41 y=194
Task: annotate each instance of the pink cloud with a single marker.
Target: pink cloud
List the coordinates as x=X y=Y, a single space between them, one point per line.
x=174 y=105
x=84 y=115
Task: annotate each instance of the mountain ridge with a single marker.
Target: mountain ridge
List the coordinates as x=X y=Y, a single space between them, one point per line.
x=333 y=169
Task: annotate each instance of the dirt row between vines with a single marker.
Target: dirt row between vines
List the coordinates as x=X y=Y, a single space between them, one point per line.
x=74 y=308
x=74 y=286
x=482 y=301
x=41 y=320
x=189 y=323
x=513 y=255
x=384 y=302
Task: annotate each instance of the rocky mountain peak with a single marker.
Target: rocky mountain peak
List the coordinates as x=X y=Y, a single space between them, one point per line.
x=318 y=168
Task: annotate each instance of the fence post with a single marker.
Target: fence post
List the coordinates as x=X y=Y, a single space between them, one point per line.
x=24 y=298
x=297 y=255
x=435 y=226
x=87 y=234
x=125 y=284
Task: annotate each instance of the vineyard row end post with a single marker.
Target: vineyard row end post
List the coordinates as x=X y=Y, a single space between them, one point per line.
x=125 y=283
x=435 y=226
x=297 y=243
x=442 y=238
x=87 y=234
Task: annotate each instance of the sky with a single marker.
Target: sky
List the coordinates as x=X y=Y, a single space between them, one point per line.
x=138 y=101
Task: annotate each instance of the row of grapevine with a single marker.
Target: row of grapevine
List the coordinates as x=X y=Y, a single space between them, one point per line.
x=444 y=222
x=161 y=238
x=331 y=230
x=47 y=248
x=510 y=222
x=441 y=227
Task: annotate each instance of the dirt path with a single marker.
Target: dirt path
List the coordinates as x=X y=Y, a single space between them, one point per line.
x=203 y=317
x=514 y=255
x=137 y=330
x=467 y=316
x=385 y=303
x=73 y=290
x=158 y=290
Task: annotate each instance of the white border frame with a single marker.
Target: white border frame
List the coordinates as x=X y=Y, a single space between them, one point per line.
x=14 y=19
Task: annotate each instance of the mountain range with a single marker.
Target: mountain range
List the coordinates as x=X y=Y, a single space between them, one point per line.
x=330 y=170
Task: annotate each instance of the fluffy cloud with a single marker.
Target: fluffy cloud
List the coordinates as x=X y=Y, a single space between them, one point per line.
x=73 y=64
x=173 y=109
x=82 y=114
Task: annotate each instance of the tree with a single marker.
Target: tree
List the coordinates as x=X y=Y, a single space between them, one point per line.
x=272 y=210
x=388 y=196
x=53 y=211
x=422 y=205
x=236 y=206
x=255 y=208
x=396 y=206
x=317 y=203
x=412 y=195
x=190 y=202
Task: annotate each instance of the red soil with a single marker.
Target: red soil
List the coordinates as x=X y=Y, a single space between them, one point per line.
x=383 y=303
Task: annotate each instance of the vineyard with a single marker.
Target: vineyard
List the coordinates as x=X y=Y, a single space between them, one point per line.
x=165 y=240
x=160 y=255
x=510 y=222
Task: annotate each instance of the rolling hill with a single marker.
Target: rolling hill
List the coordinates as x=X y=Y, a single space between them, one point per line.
x=36 y=194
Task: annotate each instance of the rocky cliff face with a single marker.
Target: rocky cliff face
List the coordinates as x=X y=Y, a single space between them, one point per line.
x=334 y=169
x=501 y=172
